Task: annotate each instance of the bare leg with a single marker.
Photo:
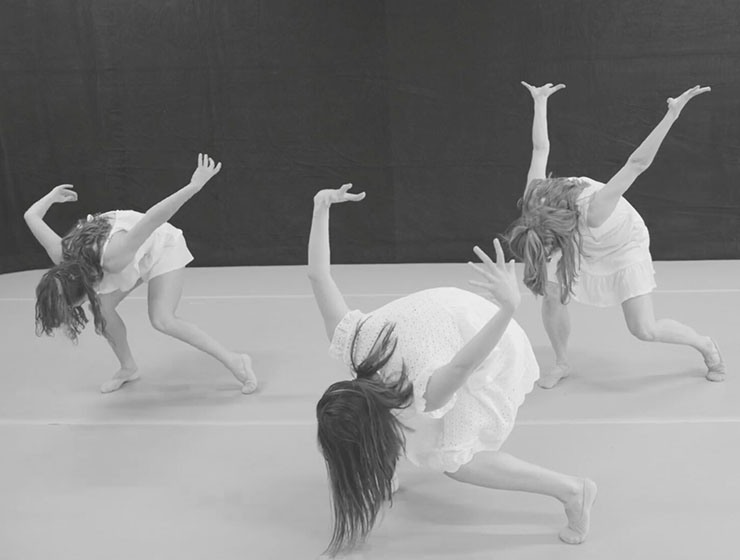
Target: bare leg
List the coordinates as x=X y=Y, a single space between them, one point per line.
x=164 y=295
x=641 y=322
x=501 y=471
x=556 y=319
x=115 y=334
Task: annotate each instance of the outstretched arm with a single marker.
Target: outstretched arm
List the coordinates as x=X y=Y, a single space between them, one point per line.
x=605 y=201
x=328 y=297
x=34 y=217
x=540 y=140
x=501 y=283
x=123 y=247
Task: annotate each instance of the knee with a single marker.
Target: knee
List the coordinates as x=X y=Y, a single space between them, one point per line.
x=163 y=322
x=642 y=331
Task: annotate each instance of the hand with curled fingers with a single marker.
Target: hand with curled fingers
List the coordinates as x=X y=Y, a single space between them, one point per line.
x=676 y=105
x=62 y=193
x=328 y=197
x=542 y=92
x=205 y=171
x=500 y=284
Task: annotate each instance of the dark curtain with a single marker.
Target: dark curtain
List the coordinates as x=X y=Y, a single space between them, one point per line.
x=418 y=103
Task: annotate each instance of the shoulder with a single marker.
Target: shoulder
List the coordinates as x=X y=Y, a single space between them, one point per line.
x=344 y=336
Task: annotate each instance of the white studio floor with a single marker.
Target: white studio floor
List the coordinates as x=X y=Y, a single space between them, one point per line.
x=180 y=465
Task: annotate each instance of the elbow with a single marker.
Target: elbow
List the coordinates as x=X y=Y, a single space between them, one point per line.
x=639 y=164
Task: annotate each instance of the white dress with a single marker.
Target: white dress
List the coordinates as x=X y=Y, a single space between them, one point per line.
x=616 y=264
x=163 y=251
x=431 y=327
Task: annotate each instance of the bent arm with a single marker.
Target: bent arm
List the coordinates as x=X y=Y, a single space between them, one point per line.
x=446 y=380
x=46 y=236
x=328 y=297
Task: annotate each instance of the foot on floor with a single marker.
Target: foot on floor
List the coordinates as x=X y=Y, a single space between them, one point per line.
x=715 y=365
x=121 y=377
x=246 y=375
x=578 y=511
x=555 y=375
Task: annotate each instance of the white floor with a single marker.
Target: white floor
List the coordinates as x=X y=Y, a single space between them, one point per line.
x=181 y=465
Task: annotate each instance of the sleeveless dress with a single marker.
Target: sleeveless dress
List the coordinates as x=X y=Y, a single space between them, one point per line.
x=164 y=250
x=616 y=264
x=431 y=327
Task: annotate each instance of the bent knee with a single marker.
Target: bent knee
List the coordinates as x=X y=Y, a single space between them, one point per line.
x=163 y=322
x=642 y=331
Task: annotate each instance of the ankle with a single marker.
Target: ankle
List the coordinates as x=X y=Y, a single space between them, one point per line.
x=572 y=490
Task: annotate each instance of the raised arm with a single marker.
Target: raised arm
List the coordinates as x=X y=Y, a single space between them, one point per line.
x=34 y=218
x=501 y=285
x=605 y=201
x=123 y=246
x=540 y=140
x=328 y=297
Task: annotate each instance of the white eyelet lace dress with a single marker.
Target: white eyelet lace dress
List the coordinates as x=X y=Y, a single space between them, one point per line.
x=431 y=327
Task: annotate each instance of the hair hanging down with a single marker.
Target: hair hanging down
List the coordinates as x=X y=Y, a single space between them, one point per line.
x=361 y=440
x=75 y=278
x=549 y=221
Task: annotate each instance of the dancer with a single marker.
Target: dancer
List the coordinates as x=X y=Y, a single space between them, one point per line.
x=105 y=257
x=581 y=238
x=446 y=363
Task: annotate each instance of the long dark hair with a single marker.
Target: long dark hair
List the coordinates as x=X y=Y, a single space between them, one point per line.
x=361 y=440
x=73 y=279
x=549 y=221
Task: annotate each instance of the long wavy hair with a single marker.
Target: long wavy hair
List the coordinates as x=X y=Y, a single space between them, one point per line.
x=361 y=441
x=549 y=221
x=61 y=289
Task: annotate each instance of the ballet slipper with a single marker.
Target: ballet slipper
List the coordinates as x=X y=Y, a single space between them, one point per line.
x=579 y=521
x=116 y=382
x=250 y=383
x=556 y=374
x=716 y=371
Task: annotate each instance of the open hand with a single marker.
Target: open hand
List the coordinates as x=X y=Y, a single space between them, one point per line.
x=336 y=196
x=543 y=92
x=63 y=193
x=207 y=168
x=675 y=106
x=500 y=284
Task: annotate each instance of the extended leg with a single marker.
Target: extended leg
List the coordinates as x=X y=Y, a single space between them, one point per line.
x=116 y=335
x=164 y=295
x=556 y=319
x=641 y=322
x=501 y=471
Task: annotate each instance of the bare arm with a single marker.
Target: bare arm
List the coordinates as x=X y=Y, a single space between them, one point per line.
x=34 y=218
x=605 y=201
x=502 y=286
x=328 y=297
x=540 y=140
x=123 y=246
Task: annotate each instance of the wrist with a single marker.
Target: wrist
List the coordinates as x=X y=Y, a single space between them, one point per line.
x=321 y=202
x=509 y=307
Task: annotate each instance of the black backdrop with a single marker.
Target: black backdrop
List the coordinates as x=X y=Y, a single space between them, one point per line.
x=417 y=102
